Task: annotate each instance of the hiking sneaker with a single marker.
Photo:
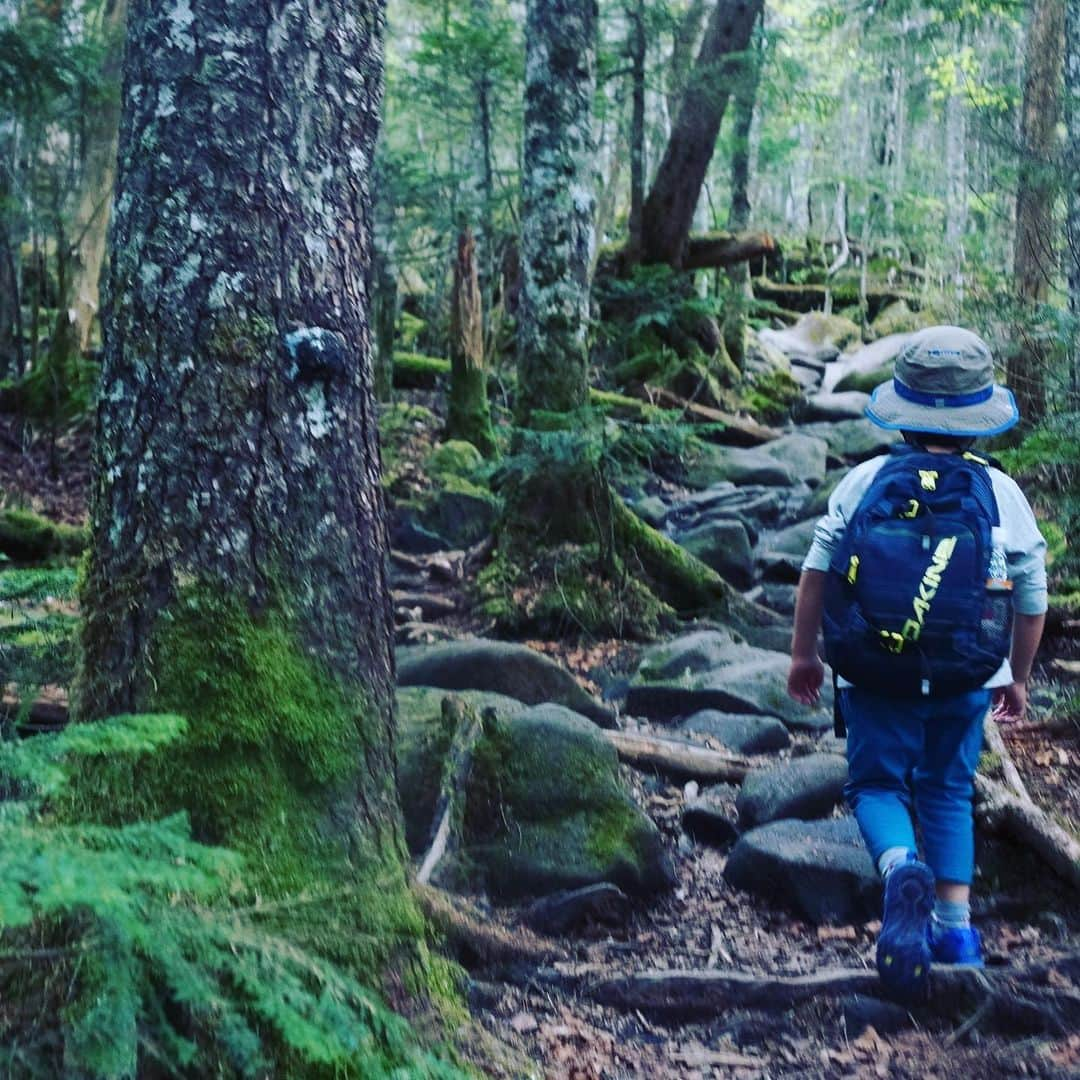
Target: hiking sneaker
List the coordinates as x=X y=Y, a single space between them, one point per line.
x=955 y=945
x=903 y=949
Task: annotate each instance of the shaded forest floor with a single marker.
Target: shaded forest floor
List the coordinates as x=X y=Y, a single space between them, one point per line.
x=1024 y=912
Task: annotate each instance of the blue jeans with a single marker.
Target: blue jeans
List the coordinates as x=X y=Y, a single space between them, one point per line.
x=920 y=753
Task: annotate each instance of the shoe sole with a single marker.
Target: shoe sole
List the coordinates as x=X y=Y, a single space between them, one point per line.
x=903 y=955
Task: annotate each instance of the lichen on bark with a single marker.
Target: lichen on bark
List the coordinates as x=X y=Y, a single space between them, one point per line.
x=558 y=203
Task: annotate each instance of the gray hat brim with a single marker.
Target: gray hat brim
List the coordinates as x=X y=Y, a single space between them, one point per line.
x=889 y=410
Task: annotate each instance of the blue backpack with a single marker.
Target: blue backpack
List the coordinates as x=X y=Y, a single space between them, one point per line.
x=908 y=610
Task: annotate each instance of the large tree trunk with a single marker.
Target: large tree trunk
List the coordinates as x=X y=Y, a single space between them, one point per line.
x=468 y=414
x=557 y=229
x=1034 y=256
x=669 y=209
x=238 y=564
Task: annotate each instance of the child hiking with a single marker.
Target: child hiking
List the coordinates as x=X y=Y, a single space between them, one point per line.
x=928 y=574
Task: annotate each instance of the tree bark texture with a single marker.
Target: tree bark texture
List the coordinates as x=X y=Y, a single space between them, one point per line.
x=637 y=50
x=739 y=212
x=956 y=192
x=1072 y=165
x=90 y=223
x=683 y=48
x=558 y=200
x=669 y=208
x=468 y=415
x=237 y=448
x=1034 y=257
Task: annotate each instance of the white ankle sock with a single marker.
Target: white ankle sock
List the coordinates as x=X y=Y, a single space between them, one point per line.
x=952 y=914
x=891 y=858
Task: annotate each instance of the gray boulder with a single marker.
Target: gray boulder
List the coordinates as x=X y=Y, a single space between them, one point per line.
x=814 y=335
x=652 y=510
x=852 y=441
x=781 y=554
x=753 y=505
x=681 y=679
x=807 y=787
x=778 y=597
x=782 y=462
x=818 y=869
x=725 y=546
x=500 y=667
x=568 y=910
x=739 y=732
x=873 y=361
x=850 y=405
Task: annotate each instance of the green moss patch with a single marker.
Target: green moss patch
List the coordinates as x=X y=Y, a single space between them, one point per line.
x=27 y=537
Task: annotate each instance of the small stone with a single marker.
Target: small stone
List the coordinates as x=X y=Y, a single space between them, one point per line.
x=711 y=818
x=691 y=790
x=570 y=909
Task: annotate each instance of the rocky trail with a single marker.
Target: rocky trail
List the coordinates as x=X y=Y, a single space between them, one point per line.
x=640 y=854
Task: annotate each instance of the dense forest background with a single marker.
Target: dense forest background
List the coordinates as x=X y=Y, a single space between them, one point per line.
x=355 y=354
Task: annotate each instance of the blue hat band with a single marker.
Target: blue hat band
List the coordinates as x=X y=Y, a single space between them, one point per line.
x=942 y=401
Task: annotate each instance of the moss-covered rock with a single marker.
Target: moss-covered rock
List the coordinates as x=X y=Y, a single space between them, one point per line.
x=865 y=382
x=546 y=810
x=456 y=457
x=28 y=537
x=771 y=395
x=898 y=318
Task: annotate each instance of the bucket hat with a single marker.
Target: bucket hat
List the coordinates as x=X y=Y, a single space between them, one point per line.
x=943 y=384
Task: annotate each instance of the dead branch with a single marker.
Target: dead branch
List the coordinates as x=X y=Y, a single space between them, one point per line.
x=467 y=727
x=677 y=759
x=738 y=430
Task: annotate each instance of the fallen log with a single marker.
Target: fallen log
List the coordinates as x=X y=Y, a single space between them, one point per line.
x=738 y=430
x=811 y=297
x=706 y=251
x=676 y=759
x=995 y=743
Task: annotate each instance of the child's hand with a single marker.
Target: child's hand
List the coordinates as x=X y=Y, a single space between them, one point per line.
x=1010 y=703
x=805 y=678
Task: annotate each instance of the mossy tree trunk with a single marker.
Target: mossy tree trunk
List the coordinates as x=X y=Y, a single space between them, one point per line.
x=238 y=571
x=469 y=416
x=558 y=201
x=669 y=208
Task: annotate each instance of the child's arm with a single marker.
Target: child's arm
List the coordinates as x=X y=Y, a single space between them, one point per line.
x=1027 y=632
x=807 y=671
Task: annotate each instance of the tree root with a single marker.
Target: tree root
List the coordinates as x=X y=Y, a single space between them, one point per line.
x=479 y=944
x=676 y=759
x=1011 y=1001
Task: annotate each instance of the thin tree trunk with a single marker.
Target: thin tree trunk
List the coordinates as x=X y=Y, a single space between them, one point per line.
x=683 y=48
x=637 y=46
x=1034 y=256
x=669 y=208
x=468 y=417
x=238 y=571
x=90 y=220
x=742 y=293
x=1072 y=231
x=557 y=229
x=956 y=204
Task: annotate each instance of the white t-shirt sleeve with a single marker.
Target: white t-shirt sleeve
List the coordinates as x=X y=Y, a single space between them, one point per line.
x=1025 y=548
x=843 y=502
